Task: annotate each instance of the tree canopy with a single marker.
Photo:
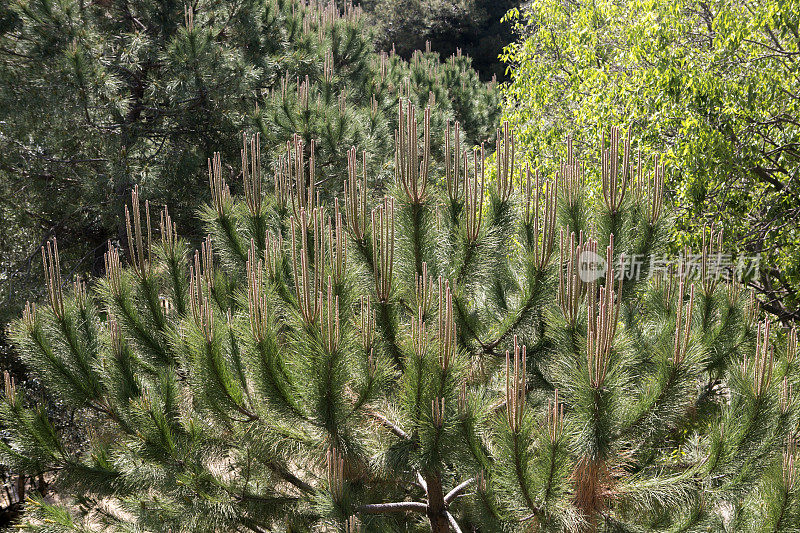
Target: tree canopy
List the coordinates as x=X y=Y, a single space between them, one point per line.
x=713 y=84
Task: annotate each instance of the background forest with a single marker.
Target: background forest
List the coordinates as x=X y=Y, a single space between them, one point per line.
x=314 y=265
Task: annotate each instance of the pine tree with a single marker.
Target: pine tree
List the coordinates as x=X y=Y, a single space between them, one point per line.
x=126 y=93
x=97 y=97
x=439 y=354
x=475 y=26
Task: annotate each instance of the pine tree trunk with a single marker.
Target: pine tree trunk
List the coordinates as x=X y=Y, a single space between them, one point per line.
x=437 y=509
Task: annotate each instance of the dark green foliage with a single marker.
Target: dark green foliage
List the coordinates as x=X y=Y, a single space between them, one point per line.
x=473 y=26
x=96 y=97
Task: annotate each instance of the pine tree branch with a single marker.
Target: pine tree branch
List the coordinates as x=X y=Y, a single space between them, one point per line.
x=393 y=507
x=385 y=422
x=520 y=475
x=287 y=476
x=453 y=494
x=464 y=319
x=388 y=330
x=254 y=527
x=422 y=483
x=453 y=522
x=523 y=311
x=551 y=473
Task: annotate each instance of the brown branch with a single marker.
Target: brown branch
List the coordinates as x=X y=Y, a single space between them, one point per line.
x=436 y=508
